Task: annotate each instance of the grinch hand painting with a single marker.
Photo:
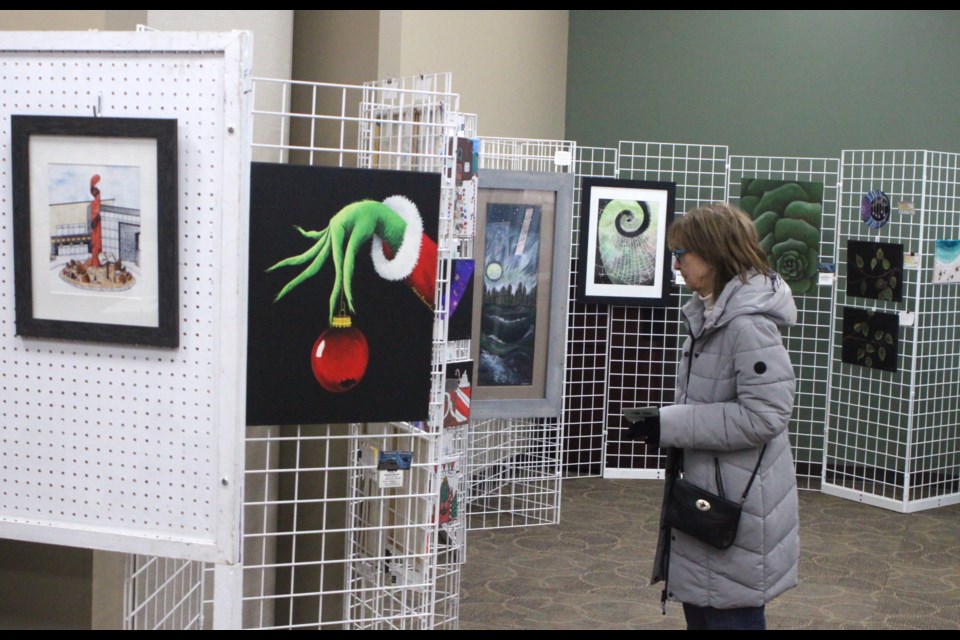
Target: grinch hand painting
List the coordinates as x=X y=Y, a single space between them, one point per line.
x=400 y=251
x=366 y=322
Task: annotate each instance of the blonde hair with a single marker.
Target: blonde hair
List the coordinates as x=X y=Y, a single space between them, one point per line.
x=724 y=237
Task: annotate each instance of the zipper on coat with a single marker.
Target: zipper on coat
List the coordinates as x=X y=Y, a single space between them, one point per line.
x=666 y=558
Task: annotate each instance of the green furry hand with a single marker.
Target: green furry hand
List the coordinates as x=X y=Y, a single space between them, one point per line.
x=351 y=227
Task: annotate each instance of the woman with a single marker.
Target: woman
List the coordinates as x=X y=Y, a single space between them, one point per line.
x=734 y=394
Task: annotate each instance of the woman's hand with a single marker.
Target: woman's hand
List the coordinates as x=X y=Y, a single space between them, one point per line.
x=646 y=430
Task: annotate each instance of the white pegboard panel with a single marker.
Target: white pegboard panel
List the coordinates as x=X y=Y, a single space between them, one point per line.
x=644 y=342
x=809 y=341
x=118 y=447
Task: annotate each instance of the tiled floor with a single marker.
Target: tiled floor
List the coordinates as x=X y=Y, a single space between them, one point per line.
x=861 y=567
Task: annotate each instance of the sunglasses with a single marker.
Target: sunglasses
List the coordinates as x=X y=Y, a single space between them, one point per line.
x=678 y=254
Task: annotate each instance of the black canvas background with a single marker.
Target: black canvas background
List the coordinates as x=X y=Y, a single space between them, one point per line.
x=398 y=326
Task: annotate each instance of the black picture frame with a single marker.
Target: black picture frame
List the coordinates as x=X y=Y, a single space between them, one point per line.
x=625 y=265
x=126 y=297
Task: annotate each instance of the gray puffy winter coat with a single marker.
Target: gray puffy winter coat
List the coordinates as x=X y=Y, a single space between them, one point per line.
x=734 y=393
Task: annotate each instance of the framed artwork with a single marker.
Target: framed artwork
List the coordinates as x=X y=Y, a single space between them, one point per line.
x=875 y=270
x=343 y=272
x=457 y=394
x=870 y=338
x=461 y=298
x=787 y=215
x=875 y=209
x=623 y=257
x=95 y=229
x=946 y=261
x=522 y=254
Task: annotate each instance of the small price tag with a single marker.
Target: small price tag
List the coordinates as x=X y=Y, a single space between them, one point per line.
x=562 y=158
x=390 y=479
x=827 y=274
x=390 y=468
x=906 y=318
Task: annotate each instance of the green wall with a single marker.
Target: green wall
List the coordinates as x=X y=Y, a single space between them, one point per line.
x=780 y=83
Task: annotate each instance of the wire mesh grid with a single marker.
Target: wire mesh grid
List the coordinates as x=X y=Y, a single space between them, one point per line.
x=514 y=466
x=514 y=475
x=338 y=548
x=889 y=440
x=163 y=594
x=327 y=542
x=644 y=343
x=935 y=467
x=586 y=365
x=809 y=341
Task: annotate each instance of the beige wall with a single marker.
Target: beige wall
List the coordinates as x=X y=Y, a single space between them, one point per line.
x=509 y=67
x=336 y=47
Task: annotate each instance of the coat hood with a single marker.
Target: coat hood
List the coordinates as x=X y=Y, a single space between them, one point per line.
x=766 y=295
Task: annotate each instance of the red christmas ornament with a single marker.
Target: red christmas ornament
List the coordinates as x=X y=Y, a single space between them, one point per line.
x=340 y=356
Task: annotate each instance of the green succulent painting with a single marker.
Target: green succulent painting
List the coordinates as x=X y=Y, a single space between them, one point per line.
x=787 y=216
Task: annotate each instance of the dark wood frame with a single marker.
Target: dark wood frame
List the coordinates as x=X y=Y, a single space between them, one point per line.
x=164 y=133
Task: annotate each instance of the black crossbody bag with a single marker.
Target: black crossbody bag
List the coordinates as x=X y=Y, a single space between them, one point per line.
x=707 y=517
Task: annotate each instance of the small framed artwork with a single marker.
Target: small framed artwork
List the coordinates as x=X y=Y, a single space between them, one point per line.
x=870 y=338
x=95 y=229
x=946 y=261
x=623 y=257
x=522 y=253
x=875 y=270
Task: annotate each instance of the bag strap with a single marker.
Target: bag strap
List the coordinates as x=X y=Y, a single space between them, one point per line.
x=743 y=498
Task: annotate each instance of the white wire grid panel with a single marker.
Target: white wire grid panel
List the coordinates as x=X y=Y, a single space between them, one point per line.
x=121 y=447
x=891 y=438
x=585 y=380
x=809 y=341
x=514 y=477
x=644 y=343
x=325 y=544
x=163 y=594
x=514 y=466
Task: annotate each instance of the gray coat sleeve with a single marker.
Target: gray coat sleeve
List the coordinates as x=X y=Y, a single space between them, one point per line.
x=739 y=395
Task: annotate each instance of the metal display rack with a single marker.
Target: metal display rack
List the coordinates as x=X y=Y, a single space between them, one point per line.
x=514 y=465
x=892 y=435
